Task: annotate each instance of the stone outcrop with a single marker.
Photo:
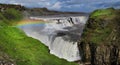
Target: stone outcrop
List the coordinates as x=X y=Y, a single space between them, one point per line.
x=6 y=60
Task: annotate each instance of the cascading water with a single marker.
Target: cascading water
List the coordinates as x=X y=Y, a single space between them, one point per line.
x=60 y=34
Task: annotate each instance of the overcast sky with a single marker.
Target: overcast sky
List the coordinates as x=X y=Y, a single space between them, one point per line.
x=67 y=5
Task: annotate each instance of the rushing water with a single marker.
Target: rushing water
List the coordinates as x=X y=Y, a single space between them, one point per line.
x=61 y=35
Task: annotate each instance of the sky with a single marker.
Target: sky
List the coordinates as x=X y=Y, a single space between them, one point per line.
x=67 y=5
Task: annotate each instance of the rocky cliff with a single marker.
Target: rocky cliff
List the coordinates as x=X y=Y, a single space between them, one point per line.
x=100 y=42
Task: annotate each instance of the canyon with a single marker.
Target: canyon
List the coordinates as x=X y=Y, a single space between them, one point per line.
x=60 y=34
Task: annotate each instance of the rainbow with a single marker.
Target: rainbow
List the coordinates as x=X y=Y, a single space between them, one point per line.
x=29 y=22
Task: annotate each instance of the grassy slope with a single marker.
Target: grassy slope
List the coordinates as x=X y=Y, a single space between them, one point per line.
x=25 y=50
x=100 y=26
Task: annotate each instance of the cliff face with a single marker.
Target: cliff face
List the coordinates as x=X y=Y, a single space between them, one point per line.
x=100 y=43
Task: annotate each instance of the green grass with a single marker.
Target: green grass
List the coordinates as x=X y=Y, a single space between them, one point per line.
x=26 y=50
x=102 y=12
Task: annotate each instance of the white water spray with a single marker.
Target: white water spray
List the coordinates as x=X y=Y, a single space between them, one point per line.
x=61 y=35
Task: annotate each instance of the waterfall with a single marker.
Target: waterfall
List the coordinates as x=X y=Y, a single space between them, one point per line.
x=60 y=34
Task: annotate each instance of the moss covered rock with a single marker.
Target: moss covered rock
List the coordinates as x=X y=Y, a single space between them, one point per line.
x=101 y=37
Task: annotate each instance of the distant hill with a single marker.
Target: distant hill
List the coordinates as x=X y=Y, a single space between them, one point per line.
x=6 y=6
x=35 y=11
